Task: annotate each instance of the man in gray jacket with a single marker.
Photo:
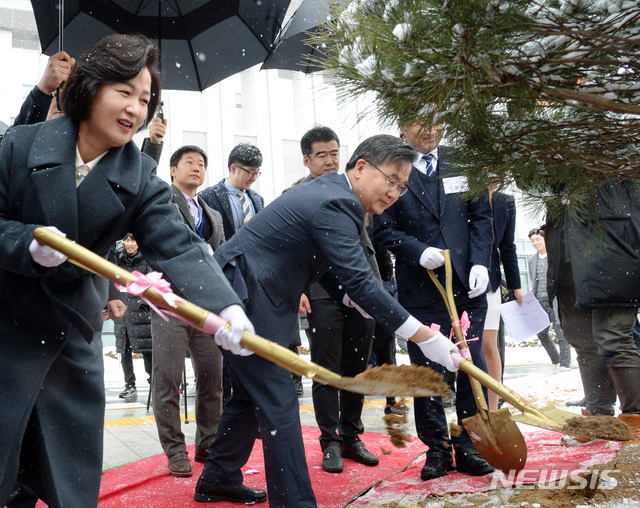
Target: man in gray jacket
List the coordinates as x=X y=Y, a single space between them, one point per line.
x=172 y=339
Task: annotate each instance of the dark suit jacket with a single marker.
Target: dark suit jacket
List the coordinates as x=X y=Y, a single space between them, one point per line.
x=217 y=234
x=300 y=236
x=38 y=305
x=217 y=198
x=504 y=250
x=412 y=224
x=315 y=291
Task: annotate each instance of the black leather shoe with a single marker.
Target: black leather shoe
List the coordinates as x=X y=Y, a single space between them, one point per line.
x=209 y=492
x=472 y=463
x=331 y=461
x=358 y=452
x=438 y=464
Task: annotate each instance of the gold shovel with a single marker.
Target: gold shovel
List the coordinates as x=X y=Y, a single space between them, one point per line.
x=494 y=433
x=208 y=321
x=495 y=436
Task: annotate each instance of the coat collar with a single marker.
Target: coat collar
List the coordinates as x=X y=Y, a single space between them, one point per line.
x=51 y=162
x=55 y=146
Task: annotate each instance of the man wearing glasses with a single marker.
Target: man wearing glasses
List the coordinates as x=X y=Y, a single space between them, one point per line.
x=232 y=197
x=310 y=233
x=432 y=217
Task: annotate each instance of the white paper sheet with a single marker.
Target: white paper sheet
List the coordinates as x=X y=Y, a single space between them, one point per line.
x=524 y=321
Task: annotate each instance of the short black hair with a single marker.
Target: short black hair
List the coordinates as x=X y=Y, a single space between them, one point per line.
x=383 y=149
x=245 y=154
x=317 y=134
x=129 y=235
x=177 y=155
x=116 y=58
x=538 y=231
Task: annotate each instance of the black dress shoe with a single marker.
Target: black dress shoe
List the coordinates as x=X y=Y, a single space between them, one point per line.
x=209 y=492
x=438 y=464
x=331 y=461
x=472 y=463
x=358 y=452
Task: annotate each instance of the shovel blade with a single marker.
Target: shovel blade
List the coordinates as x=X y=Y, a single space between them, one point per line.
x=554 y=418
x=498 y=441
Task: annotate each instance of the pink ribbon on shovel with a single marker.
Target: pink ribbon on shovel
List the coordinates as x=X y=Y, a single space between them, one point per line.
x=154 y=280
x=464 y=323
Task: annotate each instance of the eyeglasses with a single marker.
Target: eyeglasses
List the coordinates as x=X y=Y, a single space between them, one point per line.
x=251 y=173
x=391 y=183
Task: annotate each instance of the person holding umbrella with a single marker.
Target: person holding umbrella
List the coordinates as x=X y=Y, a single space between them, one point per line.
x=81 y=174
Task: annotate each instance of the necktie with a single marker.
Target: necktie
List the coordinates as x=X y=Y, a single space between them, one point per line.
x=246 y=207
x=429 y=160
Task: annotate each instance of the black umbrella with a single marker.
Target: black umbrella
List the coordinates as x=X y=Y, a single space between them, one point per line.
x=201 y=41
x=292 y=48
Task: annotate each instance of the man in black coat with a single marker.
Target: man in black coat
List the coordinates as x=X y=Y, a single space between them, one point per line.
x=340 y=338
x=295 y=241
x=596 y=277
x=430 y=218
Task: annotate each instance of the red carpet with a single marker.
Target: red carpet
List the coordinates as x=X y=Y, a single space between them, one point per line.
x=145 y=483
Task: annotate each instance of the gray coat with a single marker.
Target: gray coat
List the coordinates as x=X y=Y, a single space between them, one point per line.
x=532 y=262
x=39 y=307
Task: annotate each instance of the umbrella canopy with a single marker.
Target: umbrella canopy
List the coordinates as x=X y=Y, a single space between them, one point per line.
x=201 y=41
x=292 y=48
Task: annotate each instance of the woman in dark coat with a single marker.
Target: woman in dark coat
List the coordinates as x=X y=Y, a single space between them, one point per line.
x=133 y=332
x=82 y=174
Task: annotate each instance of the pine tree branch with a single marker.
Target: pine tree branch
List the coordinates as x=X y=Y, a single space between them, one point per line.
x=594 y=100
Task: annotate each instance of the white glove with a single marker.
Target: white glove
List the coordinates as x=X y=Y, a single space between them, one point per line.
x=353 y=305
x=431 y=258
x=230 y=338
x=438 y=349
x=478 y=280
x=45 y=255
